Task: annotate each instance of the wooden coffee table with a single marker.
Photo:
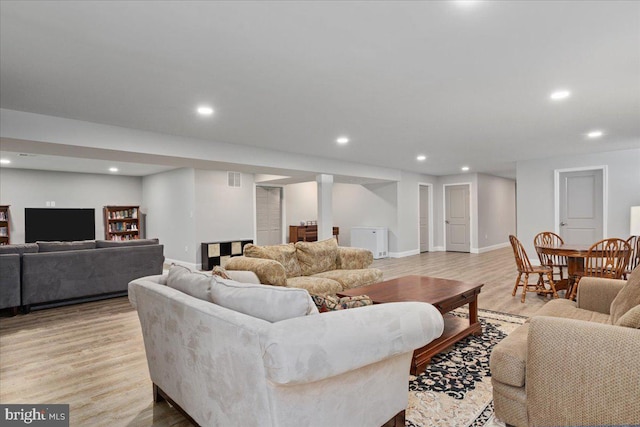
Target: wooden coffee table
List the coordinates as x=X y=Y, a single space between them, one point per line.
x=444 y=294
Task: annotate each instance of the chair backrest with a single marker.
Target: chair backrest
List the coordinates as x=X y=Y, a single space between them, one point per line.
x=634 y=257
x=548 y=238
x=607 y=258
x=522 y=260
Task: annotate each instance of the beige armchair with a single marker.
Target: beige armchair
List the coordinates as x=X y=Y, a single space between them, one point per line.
x=574 y=363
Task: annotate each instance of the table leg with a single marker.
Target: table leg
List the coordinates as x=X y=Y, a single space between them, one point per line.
x=473 y=315
x=575 y=269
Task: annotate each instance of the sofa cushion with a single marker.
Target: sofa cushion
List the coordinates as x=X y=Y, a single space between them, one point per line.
x=353 y=278
x=284 y=254
x=509 y=358
x=631 y=319
x=191 y=283
x=317 y=257
x=121 y=243
x=567 y=309
x=270 y=303
x=21 y=248
x=315 y=285
x=66 y=246
x=628 y=297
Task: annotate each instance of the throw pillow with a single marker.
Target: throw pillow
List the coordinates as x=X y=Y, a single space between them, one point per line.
x=332 y=303
x=631 y=319
x=191 y=283
x=20 y=248
x=628 y=297
x=66 y=246
x=284 y=254
x=220 y=271
x=317 y=257
x=270 y=303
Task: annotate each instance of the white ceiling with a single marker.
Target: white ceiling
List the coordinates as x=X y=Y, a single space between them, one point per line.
x=465 y=86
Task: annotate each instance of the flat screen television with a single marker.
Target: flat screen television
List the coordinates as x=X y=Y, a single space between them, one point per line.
x=48 y=224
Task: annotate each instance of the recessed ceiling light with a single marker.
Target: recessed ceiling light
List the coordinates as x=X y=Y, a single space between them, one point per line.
x=113 y=169
x=342 y=140
x=595 y=134
x=5 y=161
x=205 y=110
x=560 y=94
x=466 y=3
x=465 y=168
x=421 y=158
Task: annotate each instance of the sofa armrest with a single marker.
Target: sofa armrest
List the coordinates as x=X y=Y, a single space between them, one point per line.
x=243 y=276
x=353 y=258
x=269 y=272
x=596 y=293
x=158 y=279
x=582 y=373
x=311 y=348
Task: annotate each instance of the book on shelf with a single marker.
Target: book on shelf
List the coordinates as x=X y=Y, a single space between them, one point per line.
x=3 y=232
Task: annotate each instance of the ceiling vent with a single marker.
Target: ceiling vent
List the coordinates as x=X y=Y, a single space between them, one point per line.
x=233 y=179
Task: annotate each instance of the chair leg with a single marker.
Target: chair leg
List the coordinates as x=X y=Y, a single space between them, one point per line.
x=515 y=288
x=574 y=289
x=552 y=285
x=525 y=286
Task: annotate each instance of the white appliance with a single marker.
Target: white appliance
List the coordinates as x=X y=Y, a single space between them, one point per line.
x=374 y=239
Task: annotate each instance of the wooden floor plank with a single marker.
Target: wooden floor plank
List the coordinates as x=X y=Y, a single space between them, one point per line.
x=91 y=355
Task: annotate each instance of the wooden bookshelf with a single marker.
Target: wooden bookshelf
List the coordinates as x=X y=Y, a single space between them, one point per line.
x=5 y=229
x=121 y=222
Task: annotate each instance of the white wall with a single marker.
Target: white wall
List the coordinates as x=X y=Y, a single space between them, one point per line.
x=222 y=213
x=496 y=211
x=301 y=203
x=23 y=188
x=169 y=202
x=535 y=199
x=372 y=205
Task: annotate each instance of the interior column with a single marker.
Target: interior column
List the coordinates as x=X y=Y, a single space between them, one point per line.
x=325 y=206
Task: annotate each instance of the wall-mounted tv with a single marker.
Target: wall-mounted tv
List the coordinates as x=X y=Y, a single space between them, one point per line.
x=48 y=224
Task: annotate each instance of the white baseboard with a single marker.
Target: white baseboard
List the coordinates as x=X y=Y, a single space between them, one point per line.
x=490 y=248
x=404 y=254
x=190 y=265
x=438 y=249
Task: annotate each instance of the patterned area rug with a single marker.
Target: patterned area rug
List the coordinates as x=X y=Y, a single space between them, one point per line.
x=455 y=390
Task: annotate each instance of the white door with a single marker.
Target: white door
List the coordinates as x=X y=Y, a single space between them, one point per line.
x=457 y=220
x=581 y=207
x=268 y=215
x=424 y=218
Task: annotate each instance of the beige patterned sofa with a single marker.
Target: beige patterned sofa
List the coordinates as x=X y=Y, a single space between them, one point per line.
x=574 y=363
x=322 y=268
x=241 y=354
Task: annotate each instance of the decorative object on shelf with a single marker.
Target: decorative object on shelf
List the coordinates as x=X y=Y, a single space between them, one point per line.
x=5 y=232
x=217 y=253
x=121 y=222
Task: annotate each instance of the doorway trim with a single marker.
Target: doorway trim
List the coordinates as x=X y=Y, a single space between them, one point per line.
x=472 y=250
x=605 y=195
x=430 y=224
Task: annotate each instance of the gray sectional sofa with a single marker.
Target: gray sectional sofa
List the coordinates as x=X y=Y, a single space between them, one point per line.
x=56 y=273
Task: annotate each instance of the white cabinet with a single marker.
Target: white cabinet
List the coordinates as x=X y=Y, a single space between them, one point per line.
x=374 y=239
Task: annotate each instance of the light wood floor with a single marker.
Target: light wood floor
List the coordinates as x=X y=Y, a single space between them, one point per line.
x=91 y=355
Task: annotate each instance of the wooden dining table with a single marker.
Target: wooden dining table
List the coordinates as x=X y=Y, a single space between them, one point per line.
x=575 y=259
